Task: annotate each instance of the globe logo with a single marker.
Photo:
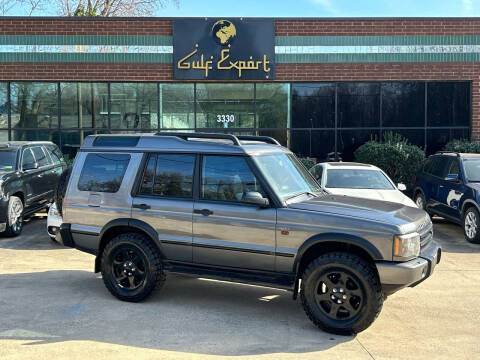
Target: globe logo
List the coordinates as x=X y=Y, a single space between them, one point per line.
x=224 y=32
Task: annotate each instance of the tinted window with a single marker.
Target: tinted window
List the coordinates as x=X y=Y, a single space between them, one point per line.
x=439 y=166
x=357 y=179
x=358 y=105
x=313 y=105
x=103 y=172
x=168 y=175
x=227 y=178
x=40 y=156
x=403 y=104
x=7 y=160
x=448 y=104
x=454 y=167
x=55 y=154
x=317 y=172
x=27 y=157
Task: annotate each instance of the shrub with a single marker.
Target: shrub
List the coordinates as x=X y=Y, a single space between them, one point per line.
x=396 y=156
x=307 y=162
x=463 y=146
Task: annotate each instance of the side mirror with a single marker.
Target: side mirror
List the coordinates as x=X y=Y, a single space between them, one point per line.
x=30 y=166
x=253 y=197
x=452 y=177
x=401 y=187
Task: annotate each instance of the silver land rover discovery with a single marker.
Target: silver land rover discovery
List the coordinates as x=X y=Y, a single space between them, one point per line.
x=241 y=208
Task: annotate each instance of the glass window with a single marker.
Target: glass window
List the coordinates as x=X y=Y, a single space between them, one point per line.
x=317 y=171
x=55 y=154
x=273 y=105
x=8 y=159
x=403 y=104
x=350 y=140
x=27 y=158
x=313 y=105
x=438 y=138
x=177 y=106
x=280 y=135
x=40 y=156
x=173 y=175
x=34 y=105
x=133 y=106
x=414 y=136
x=472 y=169
x=146 y=187
x=103 y=172
x=286 y=175
x=357 y=179
x=3 y=106
x=323 y=144
x=438 y=166
x=227 y=178
x=358 y=105
x=36 y=135
x=448 y=104
x=225 y=105
x=454 y=167
x=78 y=108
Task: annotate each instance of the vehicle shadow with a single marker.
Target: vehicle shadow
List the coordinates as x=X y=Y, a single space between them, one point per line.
x=451 y=237
x=192 y=315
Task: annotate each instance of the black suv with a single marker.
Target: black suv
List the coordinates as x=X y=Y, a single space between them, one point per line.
x=29 y=172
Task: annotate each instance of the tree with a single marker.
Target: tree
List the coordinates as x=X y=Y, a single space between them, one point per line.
x=27 y=5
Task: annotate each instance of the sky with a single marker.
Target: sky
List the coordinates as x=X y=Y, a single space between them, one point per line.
x=311 y=8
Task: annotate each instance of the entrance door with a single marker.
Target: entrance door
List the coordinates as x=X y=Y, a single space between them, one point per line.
x=227 y=231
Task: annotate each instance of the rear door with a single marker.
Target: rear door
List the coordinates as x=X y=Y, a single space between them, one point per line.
x=226 y=231
x=32 y=182
x=438 y=172
x=164 y=200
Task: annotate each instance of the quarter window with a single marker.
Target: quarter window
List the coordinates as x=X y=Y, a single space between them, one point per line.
x=227 y=178
x=168 y=175
x=103 y=172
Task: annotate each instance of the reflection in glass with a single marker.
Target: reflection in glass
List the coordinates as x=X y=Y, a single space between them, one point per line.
x=133 y=106
x=225 y=105
x=414 y=136
x=358 y=105
x=78 y=109
x=34 y=105
x=3 y=106
x=71 y=141
x=177 y=106
x=438 y=138
x=36 y=135
x=103 y=172
x=448 y=104
x=350 y=140
x=313 y=105
x=403 y=104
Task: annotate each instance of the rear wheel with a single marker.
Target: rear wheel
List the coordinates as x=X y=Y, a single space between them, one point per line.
x=131 y=267
x=471 y=225
x=14 y=223
x=341 y=293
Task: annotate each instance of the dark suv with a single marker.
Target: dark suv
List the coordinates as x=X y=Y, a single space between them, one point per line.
x=29 y=172
x=449 y=185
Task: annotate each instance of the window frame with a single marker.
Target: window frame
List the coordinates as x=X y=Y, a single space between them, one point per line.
x=141 y=175
x=29 y=148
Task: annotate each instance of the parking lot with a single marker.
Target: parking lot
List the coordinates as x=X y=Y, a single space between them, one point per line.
x=52 y=306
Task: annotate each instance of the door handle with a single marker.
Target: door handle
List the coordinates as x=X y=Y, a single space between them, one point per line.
x=204 y=212
x=141 y=206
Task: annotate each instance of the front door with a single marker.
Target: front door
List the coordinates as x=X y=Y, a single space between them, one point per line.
x=227 y=231
x=35 y=184
x=164 y=201
x=451 y=191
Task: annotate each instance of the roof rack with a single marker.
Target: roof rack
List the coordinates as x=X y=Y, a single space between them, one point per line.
x=447 y=152
x=235 y=139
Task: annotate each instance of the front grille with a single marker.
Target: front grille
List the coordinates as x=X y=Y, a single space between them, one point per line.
x=425 y=230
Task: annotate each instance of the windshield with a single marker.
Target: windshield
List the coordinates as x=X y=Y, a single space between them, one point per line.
x=286 y=175
x=472 y=169
x=357 y=179
x=7 y=160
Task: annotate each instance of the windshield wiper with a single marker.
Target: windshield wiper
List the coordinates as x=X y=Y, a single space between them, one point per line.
x=302 y=193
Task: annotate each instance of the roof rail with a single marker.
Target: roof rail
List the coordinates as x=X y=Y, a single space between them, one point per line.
x=186 y=136
x=448 y=152
x=266 y=139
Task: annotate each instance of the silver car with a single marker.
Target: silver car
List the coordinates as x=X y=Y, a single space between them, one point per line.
x=241 y=208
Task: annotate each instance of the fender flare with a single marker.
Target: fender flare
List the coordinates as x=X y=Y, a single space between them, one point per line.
x=466 y=203
x=344 y=239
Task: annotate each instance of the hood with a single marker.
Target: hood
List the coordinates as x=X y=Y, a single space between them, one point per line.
x=385 y=195
x=407 y=218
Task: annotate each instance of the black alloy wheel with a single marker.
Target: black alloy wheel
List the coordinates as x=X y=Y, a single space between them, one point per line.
x=128 y=267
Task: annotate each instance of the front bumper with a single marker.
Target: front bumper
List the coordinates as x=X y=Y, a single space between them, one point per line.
x=397 y=275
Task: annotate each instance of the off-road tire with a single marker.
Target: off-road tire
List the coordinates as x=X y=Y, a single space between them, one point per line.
x=12 y=230
x=61 y=189
x=369 y=283
x=419 y=196
x=154 y=275
x=475 y=239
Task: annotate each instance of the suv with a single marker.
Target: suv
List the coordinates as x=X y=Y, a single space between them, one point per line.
x=241 y=208
x=448 y=185
x=29 y=172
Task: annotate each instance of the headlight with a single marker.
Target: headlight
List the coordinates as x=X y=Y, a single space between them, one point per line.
x=53 y=211
x=406 y=247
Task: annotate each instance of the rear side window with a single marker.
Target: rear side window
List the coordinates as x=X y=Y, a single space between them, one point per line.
x=436 y=166
x=55 y=154
x=103 y=172
x=168 y=175
x=40 y=156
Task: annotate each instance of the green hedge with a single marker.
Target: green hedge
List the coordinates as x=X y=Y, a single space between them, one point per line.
x=463 y=146
x=395 y=155
x=307 y=162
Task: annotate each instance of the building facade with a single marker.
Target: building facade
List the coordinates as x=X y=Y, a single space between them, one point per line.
x=331 y=84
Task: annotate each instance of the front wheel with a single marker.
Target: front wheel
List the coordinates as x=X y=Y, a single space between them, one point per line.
x=14 y=223
x=420 y=201
x=131 y=267
x=471 y=225
x=341 y=293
